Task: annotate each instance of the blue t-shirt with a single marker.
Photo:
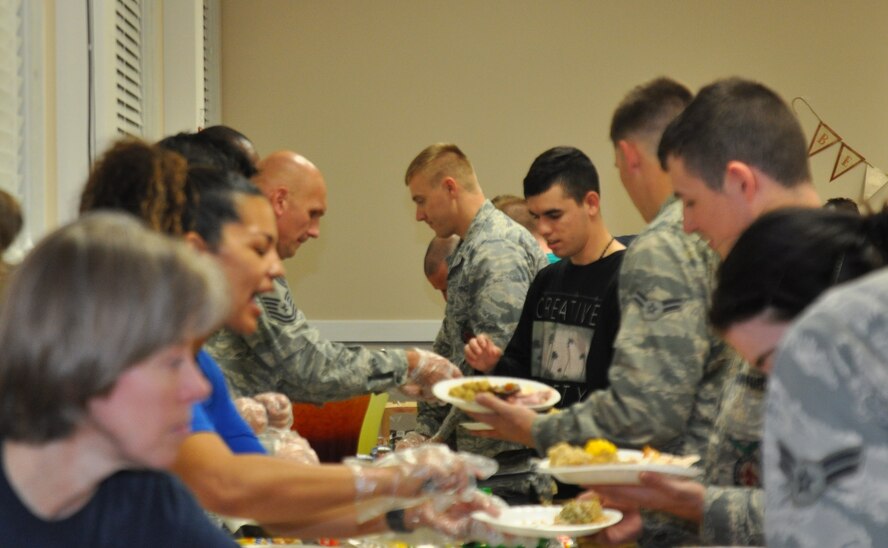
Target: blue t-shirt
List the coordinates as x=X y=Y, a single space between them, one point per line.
x=131 y=508
x=217 y=413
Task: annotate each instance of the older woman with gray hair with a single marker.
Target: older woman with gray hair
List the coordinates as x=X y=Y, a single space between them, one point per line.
x=97 y=381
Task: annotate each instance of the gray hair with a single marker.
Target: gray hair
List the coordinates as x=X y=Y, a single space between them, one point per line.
x=92 y=299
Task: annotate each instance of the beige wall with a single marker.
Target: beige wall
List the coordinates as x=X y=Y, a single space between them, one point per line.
x=360 y=87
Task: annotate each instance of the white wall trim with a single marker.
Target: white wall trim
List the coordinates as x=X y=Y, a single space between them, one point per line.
x=419 y=331
x=183 y=66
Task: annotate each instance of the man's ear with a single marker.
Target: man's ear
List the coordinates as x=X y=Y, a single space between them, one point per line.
x=740 y=179
x=630 y=153
x=278 y=200
x=593 y=201
x=450 y=185
x=196 y=241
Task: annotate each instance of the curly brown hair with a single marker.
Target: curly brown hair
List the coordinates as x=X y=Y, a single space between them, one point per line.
x=142 y=179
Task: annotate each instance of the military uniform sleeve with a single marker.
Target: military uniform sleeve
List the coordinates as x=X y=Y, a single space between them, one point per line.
x=498 y=286
x=288 y=355
x=515 y=361
x=733 y=516
x=659 y=356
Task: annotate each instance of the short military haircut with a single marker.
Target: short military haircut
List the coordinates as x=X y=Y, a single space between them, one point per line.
x=567 y=166
x=647 y=110
x=737 y=120
x=443 y=160
x=91 y=300
x=438 y=251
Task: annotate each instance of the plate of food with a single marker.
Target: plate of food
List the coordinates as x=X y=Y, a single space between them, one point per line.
x=574 y=519
x=599 y=462
x=461 y=392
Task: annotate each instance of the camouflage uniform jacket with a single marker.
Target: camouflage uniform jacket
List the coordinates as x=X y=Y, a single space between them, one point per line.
x=669 y=367
x=487 y=281
x=287 y=355
x=734 y=501
x=826 y=423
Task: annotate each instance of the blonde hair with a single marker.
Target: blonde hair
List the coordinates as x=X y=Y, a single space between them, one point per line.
x=443 y=160
x=92 y=299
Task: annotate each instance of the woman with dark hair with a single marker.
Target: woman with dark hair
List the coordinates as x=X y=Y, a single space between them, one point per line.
x=229 y=219
x=780 y=265
x=97 y=377
x=10 y=226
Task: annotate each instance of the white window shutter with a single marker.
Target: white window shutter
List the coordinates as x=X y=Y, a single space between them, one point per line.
x=212 y=108
x=129 y=92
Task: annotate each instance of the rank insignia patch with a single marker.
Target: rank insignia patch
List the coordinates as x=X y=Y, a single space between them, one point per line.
x=809 y=479
x=652 y=309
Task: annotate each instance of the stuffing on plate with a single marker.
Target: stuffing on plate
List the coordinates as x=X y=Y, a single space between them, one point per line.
x=577 y=512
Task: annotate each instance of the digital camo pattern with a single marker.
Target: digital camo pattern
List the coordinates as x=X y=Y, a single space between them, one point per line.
x=826 y=423
x=488 y=278
x=287 y=355
x=734 y=501
x=669 y=367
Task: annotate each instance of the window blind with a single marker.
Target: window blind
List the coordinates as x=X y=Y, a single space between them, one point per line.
x=129 y=70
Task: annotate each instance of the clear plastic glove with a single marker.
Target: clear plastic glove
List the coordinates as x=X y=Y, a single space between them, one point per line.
x=253 y=413
x=427 y=470
x=279 y=409
x=430 y=368
x=482 y=353
x=288 y=444
x=410 y=440
x=455 y=519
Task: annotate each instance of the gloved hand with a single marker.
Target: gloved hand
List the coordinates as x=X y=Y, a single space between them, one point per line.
x=253 y=413
x=427 y=470
x=430 y=368
x=279 y=409
x=411 y=439
x=288 y=444
x=454 y=517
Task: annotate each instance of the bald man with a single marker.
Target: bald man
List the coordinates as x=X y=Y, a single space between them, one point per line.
x=435 y=262
x=286 y=354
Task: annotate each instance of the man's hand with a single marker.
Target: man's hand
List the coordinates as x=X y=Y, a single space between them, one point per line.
x=626 y=531
x=482 y=353
x=676 y=496
x=510 y=422
x=424 y=370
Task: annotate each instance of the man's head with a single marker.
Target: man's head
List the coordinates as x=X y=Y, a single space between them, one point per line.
x=298 y=194
x=636 y=128
x=435 y=262
x=444 y=187
x=735 y=152
x=563 y=194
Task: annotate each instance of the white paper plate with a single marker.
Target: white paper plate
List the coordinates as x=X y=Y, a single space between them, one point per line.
x=476 y=426
x=538 y=522
x=441 y=391
x=612 y=474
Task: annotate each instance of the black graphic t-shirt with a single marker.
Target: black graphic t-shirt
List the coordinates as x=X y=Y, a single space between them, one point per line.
x=566 y=333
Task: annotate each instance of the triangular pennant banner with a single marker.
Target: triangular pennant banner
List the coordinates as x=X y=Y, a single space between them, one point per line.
x=875 y=179
x=845 y=161
x=824 y=138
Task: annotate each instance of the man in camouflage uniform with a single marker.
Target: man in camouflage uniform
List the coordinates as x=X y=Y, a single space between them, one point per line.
x=825 y=447
x=716 y=152
x=488 y=276
x=286 y=354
